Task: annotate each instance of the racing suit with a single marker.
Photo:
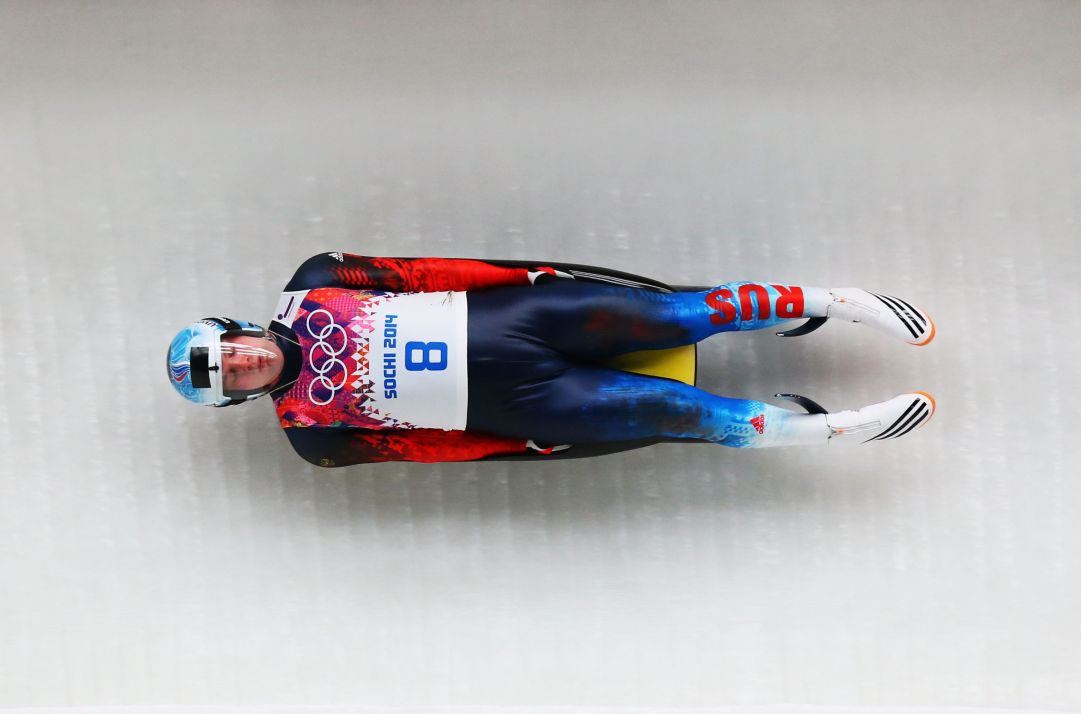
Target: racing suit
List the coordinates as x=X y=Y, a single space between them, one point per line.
x=433 y=359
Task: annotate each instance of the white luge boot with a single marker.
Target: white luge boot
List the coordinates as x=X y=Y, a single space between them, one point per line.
x=891 y=419
x=885 y=313
x=886 y=420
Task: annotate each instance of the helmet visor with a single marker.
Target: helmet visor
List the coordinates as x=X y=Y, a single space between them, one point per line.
x=249 y=366
x=238 y=366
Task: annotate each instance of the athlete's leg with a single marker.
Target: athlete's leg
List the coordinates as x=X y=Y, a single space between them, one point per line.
x=588 y=405
x=522 y=381
x=592 y=321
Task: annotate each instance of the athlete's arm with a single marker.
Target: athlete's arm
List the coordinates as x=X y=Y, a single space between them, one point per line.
x=330 y=447
x=407 y=275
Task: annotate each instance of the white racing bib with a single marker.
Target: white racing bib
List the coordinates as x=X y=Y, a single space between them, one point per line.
x=398 y=359
x=418 y=359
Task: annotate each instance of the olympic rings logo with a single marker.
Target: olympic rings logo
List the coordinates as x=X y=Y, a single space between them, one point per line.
x=327 y=371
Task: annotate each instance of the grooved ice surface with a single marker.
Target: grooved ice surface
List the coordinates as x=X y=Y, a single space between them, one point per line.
x=161 y=162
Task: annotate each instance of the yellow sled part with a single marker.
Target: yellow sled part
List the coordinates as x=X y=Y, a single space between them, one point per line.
x=676 y=363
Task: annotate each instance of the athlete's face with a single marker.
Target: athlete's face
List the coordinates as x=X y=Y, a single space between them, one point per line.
x=249 y=363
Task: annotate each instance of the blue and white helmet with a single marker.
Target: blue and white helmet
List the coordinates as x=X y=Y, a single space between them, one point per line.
x=195 y=360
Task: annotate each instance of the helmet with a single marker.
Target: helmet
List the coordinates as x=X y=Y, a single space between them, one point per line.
x=195 y=358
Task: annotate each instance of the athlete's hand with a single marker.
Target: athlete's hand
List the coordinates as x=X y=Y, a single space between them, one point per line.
x=540 y=276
